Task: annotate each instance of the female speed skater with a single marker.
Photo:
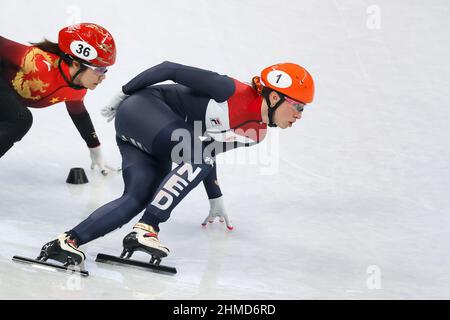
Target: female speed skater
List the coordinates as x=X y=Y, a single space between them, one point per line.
x=47 y=73
x=157 y=125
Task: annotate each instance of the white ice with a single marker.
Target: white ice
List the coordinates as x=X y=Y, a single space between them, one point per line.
x=354 y=203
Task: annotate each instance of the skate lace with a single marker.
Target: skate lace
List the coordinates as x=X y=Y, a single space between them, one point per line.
x=151 y=235
x=72 y=242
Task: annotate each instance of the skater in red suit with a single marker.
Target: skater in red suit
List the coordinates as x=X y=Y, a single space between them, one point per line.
x=47 y=73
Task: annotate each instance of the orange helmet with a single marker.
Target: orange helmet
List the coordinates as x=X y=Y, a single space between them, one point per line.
x=291 y=80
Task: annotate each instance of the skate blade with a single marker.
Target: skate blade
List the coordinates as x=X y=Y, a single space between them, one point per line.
x=51 y=266
x=104 y=258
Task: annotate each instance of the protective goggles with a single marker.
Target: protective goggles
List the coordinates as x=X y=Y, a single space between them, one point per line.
x=297 y=105
x=97 y=70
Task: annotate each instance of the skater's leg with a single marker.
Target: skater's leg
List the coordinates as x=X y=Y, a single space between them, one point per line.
x=139 y=119
x=193 y=167
x=141 y=175
x=15 y=118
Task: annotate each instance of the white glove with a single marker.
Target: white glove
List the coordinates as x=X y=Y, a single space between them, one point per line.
x=98 y=160
x=217 y=209
x=109 y=111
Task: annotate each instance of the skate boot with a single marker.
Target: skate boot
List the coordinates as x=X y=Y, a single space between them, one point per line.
x=62 y=249
x=144 y=238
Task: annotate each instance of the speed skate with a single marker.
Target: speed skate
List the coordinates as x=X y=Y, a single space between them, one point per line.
x=63 y=250
x=40 y=262
x=143 y=238
x=124 y=259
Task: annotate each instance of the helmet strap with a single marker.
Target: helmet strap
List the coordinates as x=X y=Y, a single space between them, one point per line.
x=271 y=110
x=71 y=81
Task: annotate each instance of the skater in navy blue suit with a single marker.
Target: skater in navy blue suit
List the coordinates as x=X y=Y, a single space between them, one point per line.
x=158 y=125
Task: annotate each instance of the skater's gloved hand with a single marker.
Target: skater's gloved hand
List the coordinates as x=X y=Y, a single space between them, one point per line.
x=99 y=161
x=109 y=111
x=217 y=209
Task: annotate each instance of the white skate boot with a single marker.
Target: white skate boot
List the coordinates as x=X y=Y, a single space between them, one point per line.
x=62 y=249
x=144 y=238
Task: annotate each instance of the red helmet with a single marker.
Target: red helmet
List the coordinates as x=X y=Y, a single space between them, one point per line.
x=88 y=42
x=291 y=80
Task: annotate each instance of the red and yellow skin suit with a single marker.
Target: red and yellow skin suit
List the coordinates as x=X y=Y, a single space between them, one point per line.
x=33 y=78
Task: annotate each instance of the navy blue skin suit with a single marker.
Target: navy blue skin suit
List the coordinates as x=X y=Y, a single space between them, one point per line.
x=144 y=123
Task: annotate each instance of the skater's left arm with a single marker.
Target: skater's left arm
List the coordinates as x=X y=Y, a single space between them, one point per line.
x=82 y=121
x=219 y=87
x=12 y=51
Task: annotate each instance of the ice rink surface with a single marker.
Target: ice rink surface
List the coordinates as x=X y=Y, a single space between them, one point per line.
x=351 y=203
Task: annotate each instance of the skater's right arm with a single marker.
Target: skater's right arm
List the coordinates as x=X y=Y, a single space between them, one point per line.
x=211 y=185
x=12 y=51
x=218 y=87
x=217 y=207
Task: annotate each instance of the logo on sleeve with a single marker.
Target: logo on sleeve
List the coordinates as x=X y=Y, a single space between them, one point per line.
x=215 y=122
